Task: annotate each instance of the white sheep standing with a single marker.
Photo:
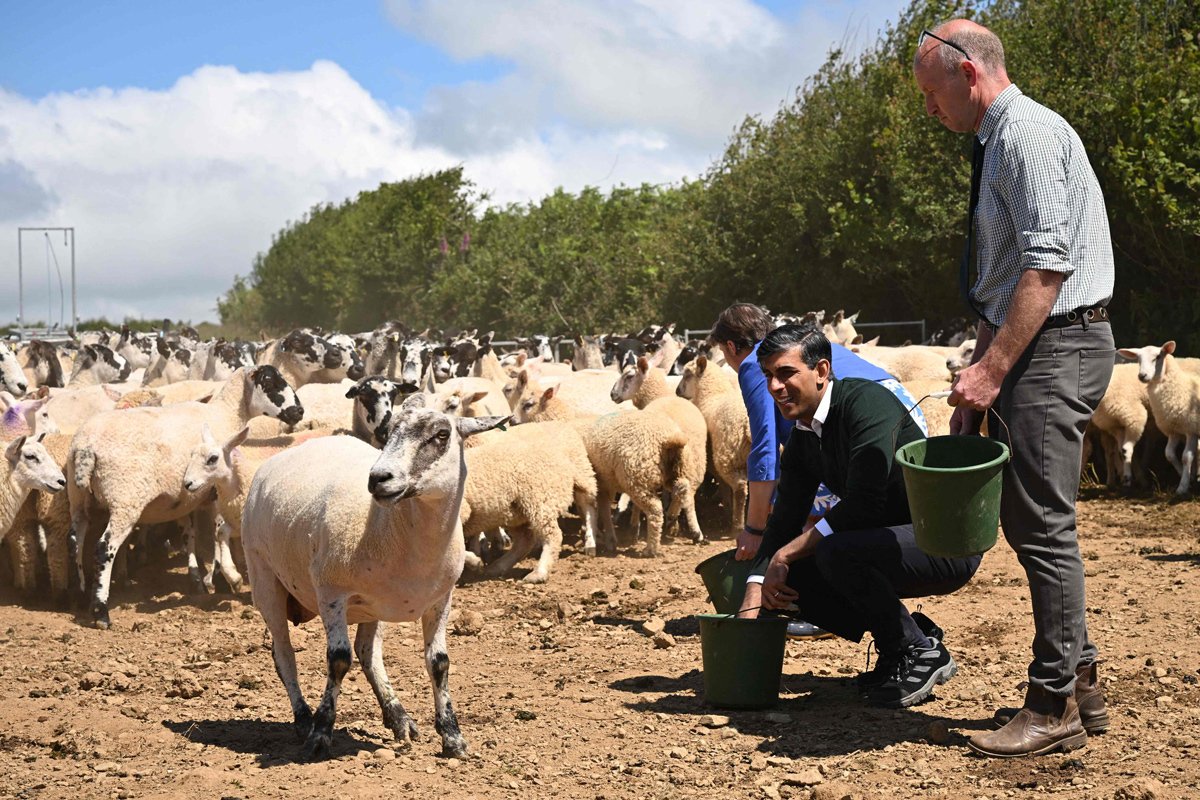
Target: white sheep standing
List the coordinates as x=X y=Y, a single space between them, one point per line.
x=1121 y=419
x=25 y=467
x=336 y=528
x=1175 y=400
x=131 y=462
x=12 y=377
x=728 y=428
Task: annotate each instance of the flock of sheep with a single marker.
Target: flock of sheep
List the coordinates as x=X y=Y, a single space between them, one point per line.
x=351 y=470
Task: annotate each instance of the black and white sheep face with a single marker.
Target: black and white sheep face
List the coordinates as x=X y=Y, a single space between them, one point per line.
x=135 y=349
x=423 y=456
x=1149 y=359
x=271 y=396
x=305 y=348
x=11 y=375
x=374 y=398
x=227 y=358
x=416 y=356
x=342 y=354
x=32 y=468
x=102 y=364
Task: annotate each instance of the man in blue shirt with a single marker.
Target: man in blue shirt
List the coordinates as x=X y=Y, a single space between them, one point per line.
x=738 y=332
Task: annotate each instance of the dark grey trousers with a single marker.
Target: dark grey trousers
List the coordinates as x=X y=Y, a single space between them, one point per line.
x=1047 y=400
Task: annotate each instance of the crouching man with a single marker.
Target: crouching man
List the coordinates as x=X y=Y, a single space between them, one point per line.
x=849 y=571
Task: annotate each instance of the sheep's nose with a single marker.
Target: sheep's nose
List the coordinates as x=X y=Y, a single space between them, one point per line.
x=356 y=372
x=376 y=478
x=21 y=387
x=62 y=482
x=293 y=414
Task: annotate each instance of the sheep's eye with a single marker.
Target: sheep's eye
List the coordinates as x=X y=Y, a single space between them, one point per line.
x=31 y=457
x=211 y=461
x=528 y=404
x=443 y=435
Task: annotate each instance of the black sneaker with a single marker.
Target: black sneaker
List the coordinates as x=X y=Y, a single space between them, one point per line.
x=864 y=682
x=913 y=676
x=928 y=626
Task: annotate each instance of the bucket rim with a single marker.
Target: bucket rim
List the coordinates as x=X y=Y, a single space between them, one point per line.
x=1004 y=456
x=724 y=554
x=736 y=618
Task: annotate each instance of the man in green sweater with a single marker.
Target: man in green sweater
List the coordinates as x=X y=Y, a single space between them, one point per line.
x=849 y=571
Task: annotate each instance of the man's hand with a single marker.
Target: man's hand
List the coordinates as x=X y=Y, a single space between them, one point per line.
x=975 y=387
x=965 y=422
x=747 y=545
x=776 y=594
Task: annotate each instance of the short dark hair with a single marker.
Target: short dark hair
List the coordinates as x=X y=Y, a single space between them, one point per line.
x=812 y=343
x=744 y=324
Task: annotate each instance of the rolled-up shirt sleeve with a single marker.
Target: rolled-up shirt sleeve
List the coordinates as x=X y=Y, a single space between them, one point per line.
x=760 y=408
x=1032 y=180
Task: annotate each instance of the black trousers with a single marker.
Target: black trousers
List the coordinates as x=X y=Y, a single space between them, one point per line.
x=855 y=582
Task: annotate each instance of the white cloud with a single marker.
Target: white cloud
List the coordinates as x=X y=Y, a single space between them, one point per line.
x=174 y=191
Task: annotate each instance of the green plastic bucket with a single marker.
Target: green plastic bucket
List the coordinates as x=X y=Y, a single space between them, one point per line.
x=743 y=660
x=953 y=485
x=725 y=579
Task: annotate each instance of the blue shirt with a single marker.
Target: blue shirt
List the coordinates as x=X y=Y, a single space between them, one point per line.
x=768 y=428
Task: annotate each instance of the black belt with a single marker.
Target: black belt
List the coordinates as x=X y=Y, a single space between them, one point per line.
x=1079 y=316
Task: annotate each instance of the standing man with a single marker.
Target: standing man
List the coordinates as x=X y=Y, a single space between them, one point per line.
x=1039 y=239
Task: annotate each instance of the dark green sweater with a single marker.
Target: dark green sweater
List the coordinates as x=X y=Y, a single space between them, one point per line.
x=854 y=457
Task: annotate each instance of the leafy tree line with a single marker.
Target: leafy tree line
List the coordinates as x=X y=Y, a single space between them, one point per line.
x=848 y=197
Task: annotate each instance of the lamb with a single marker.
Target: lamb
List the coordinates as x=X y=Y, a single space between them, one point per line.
x=961 y=357
x=26 y=467
x=1121 y=420
x=480 y=397
x=639 y=453
x=373 y=398
x=24 y=417
x=303 y=357
x=523 y=481
x=41 y=364
x=840 y=328
x=728 y=428
x=587 y=391
x=12 y=377
x=50 y=512
x=1175 y=400
x=229 y=467
x=649 y=388
x=131 y=462
x=316 y=543
x=171 y=363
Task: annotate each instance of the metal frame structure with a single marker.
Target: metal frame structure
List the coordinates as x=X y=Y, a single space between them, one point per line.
x=21 y=276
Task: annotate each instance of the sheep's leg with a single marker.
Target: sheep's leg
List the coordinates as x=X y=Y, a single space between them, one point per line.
x=740 y=490
x=585 y=501
x=368 y=646
x=1129 y=440
x=270 y=598
x=224 y=556
x=688 y=499
x=1185 y=469
x=522 y=544
x=651 y=505
x=337 y=654
x=201 y=582
x=1173 y=442
x=110 y=544
x=76 y=536
x=437 y=662
x=550 y=535
x=608 y=533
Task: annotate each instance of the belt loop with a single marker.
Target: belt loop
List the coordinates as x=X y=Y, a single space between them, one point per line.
x=1083 y=319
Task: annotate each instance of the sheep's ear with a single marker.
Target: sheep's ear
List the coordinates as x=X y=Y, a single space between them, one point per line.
x=859 y=340
x=237 y=439
x=549 y=393
x=701 y=363
x=469 y=426
x=160 y=344
x=352 y=392
x=853 y=318
x=1169 y=347
x=206 y=436
x=477 y=396
x=6 y=401
x=13 y=452
x=521 y=358
x=643 y=365
x=873 y=342
x=522 y=379
x=112 y=393
x=1127 y=354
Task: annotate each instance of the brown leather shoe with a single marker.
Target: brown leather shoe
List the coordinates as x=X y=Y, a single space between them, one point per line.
x=1047 y=724
x=1088 y=695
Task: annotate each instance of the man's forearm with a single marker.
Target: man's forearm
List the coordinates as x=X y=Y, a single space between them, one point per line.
x=1031 y=303
x=803 y=545
x=760 y=503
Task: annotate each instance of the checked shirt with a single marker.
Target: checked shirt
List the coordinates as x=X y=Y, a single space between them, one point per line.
x=1040 y=207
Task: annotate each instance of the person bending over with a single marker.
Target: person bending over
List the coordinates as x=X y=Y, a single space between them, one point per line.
x=848 y=572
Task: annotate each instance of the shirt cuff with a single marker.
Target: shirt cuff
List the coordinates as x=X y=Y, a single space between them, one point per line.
x=754 y=579
x=822 y=527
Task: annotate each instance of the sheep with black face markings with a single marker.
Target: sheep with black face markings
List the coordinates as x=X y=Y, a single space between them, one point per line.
x=131 y=462
x=336 y=528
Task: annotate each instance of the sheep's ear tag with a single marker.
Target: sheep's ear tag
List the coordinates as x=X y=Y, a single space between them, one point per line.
x=502 y=427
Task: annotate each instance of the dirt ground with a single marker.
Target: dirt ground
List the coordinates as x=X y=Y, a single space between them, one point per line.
x=561 y=694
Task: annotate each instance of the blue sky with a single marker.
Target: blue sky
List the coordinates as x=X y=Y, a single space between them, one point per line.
x=177 y=138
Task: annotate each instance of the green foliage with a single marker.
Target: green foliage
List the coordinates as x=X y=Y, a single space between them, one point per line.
x=848 y=197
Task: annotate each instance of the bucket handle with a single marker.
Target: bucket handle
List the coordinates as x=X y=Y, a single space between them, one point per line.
x=939 y=396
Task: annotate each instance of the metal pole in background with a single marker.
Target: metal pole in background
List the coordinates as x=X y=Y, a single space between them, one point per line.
x=20 y=286
x=73 y=317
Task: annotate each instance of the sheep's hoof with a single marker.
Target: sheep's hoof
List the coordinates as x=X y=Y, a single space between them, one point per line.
x=400 y=724
x=100 y=617
x=648 y=552
x=316 y=747
x=454 y=747
x=303 y=724
x=235 y=587
x=535 y=577
x=590 y=550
